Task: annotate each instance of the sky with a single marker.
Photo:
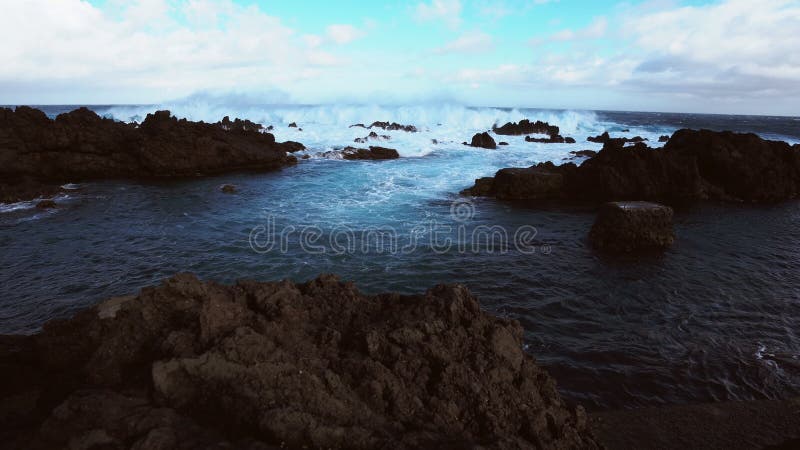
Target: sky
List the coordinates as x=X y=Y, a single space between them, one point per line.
x=716 y=56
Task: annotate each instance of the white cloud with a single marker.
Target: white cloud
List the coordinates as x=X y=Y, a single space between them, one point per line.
x=448 y=11
x=143 y=47
x=343 y=34
x=471 y=42
x=595 y=30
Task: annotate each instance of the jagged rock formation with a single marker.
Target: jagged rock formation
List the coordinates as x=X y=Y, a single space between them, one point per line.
x=693 y=165
x=37 y=153
x=525 y=126
x=388 y=126
x=255 y=365
x=372 y=135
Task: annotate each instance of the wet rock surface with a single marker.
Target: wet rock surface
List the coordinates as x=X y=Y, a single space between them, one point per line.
x=389 y=126
x=525 y=126
x=371 y=136
x=80 y=145
x=190 y=364
x=483 y=140
x=372 y=152
x=693 y=165
x=631 y=227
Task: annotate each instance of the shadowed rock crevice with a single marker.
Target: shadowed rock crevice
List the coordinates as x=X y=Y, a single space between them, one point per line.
x=189 y=364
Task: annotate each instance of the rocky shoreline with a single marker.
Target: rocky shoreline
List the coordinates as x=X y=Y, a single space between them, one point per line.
x=192 y=364
x=693 y=165
x=260 y=365
x=38 y=154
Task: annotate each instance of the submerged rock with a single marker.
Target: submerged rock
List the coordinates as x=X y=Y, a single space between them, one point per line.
x=483 y=140
x=228 y=189
x=46 y=204
x=80 y=145
x=629 y=227
x=693 y=165
x=190 y=364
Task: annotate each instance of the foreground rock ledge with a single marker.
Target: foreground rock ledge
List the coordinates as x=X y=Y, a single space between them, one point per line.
x=190 y=364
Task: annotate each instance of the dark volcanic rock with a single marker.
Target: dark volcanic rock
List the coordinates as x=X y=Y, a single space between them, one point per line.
x=388 y=126
x=292 y=125
x=239 y=125
x=260 y=365
x=630 y=227
x=80 y=145
x=600 y=139
x=526 y=127
x=394 y=126
x=372 y=135
x=693 y=165
x=46 y=204
x=585 y=153
x=663 y=139
x=502 y=143
x=483 y=140
x=558 y=139
x=372 y=153
x=604 y=138
x=228 y=188
x=292 y=146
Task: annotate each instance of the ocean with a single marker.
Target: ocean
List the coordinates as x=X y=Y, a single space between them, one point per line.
x=716 y=317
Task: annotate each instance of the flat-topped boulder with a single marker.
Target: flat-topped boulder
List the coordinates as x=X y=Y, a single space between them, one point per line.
x=191 y=364
x=630 y=227
x=373 y=152
x=80 y=145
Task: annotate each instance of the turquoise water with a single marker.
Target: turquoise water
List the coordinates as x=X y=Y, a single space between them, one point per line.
x=714 y=318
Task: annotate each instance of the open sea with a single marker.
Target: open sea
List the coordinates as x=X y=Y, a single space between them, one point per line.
x=717 y=317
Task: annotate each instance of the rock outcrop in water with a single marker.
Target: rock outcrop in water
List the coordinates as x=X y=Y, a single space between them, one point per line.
x=37 y=153
x=371 y=153
x=632 y=227
x=527 y=127
x=255 y=365
x=605 y=137
x=372 y=135
x=388 y=126
x=483 y=140
x=693 y=165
